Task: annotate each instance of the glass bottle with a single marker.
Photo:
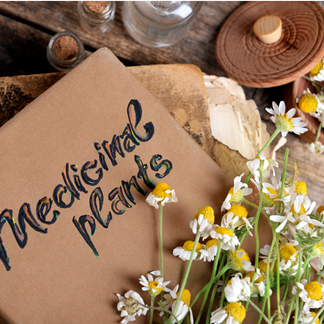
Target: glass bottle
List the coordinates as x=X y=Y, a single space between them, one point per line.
x=96 y=16
x=159 y=23
x=65 y=51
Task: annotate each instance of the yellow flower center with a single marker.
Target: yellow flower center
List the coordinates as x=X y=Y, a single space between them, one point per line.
x=314 y=290
x=284 y=123
x=208 y=213
x=235 y=261
x=244 y=257
x=131 y=305
x=317 y=319
x=236 y=311
x=266 y=200
x=211 y=243
x=262 y=265
x=286 y=252
x=238 y=210
x=307 y=103
x=250 y=274
x=302 y=210
x=317 y=249
x=188 y=246
x=301 y=188
x=320 y=209
x=224 y=230
x=237 y=196
x=153 y=288
x=185 y=297
x=315 y=70
x=160 y=190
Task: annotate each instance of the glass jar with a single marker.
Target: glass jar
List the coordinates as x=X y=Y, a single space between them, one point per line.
x=95 y=17
x=65 y=51
x=159 y=23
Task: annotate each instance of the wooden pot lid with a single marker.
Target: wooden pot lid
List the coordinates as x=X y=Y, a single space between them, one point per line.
x=249 y=61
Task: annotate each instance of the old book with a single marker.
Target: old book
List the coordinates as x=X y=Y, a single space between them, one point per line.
x=76 y=166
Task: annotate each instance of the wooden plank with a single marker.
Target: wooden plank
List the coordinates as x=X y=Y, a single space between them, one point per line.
x=32 y=24
x=197 y=48
x=23 y=49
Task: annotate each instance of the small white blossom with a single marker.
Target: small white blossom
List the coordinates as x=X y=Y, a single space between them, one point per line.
x=129 y=306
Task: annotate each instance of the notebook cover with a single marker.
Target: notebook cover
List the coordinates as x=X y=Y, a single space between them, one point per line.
x=82 y=158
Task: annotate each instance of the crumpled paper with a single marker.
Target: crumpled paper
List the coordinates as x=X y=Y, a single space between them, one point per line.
x=235 y=124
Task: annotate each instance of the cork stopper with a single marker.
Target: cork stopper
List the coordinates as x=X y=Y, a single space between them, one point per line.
x=268 y=29
x=66 y=48
x=97 y=6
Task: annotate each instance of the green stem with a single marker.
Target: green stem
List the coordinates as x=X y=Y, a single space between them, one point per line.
x=283 y=175
x=278 y=279
x=276 y=132
x=256 y=234
x=260 y=312
x=152 y=308
x=185 y=278
x=298 y=280
x=317 y=315
x=318 y=132
x=274 y=239
x=223 y=292
x=161 y=238
x=219 y=248
x=159 y=309
x=212 y=297
x=309 y=79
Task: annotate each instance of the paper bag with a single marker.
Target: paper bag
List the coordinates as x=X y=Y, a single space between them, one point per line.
x=76 y=167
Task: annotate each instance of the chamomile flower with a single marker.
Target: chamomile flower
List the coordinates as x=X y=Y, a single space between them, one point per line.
x=239 y=260
x=233 y=313
x=183 y=306
x=154 y=285
x=258 y=286
x=285 y=121
x=299 y=212
x=309 y=102
x=211 y=250
x=225 y=237
x=318 y=252
x=307 y=318
x=317 y=72
x=184 y=252
x=297 y=218
x=317 y=148
x=237 y=289
x=236 y=217
x=161 y=195
x=263 y=164
x=288 y=260
x=236 y=193
x=311 y=293
x=129 y=306
x=203 y=221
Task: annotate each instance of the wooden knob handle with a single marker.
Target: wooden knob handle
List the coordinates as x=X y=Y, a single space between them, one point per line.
x=268 y=29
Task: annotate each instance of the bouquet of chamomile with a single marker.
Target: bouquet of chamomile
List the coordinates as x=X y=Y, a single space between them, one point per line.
x=281 y=270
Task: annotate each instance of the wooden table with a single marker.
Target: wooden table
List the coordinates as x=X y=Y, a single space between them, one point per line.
x=26 y=28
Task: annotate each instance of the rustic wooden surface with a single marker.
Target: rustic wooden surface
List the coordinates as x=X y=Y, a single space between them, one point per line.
x=253 y=63
x=26 y=28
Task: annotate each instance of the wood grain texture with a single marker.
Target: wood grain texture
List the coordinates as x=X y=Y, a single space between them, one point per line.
x=30 y=25
x=249 y=61
x=196 y=48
